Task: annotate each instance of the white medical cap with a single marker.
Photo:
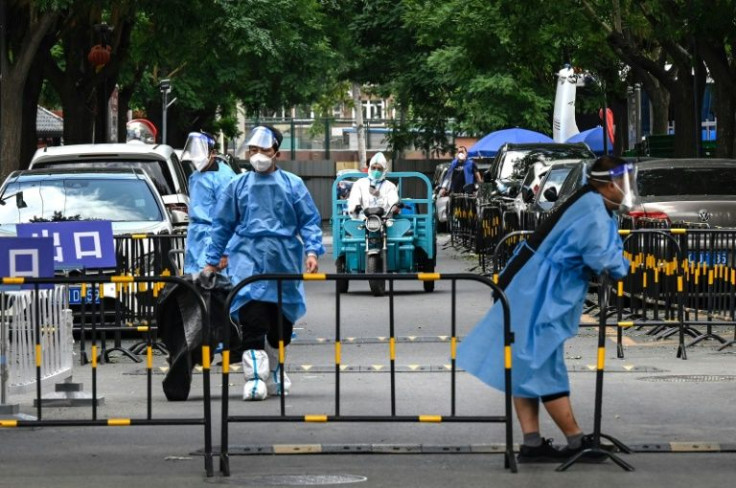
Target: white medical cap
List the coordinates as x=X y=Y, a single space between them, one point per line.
x=378 y=158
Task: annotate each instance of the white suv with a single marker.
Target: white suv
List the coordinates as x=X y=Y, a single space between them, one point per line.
x=158 y=161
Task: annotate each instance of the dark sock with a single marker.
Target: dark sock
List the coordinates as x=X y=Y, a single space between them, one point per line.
x=575 y=441
x=532 y=439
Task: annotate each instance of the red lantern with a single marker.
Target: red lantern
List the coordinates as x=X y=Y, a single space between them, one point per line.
x=99 y=55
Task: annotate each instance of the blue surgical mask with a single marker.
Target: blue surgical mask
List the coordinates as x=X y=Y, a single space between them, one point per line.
x=375 y=174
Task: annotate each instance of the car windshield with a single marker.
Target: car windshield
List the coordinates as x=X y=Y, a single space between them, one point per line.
x=155 y=169
x=686 y=181
x=63 y=199
x=516 y=163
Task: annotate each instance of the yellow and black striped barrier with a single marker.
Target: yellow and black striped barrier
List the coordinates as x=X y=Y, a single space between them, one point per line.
x=506 y=418
x=96 y=283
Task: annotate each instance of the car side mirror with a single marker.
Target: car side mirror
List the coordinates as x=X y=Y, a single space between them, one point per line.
x=19 y=202
x=527 y=194
x=178 y=217
x=550 y=194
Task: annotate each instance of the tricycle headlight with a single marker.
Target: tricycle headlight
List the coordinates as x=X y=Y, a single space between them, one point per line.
x=373 y=223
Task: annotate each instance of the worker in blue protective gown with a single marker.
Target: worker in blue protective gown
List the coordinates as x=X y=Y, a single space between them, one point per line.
x=275 y=228
x=206 y=184
x=546 y=281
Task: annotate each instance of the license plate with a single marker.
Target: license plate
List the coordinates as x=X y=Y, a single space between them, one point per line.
x=75 y=295
x=710 y=258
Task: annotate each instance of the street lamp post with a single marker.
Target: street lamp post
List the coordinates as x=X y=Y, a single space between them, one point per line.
x=165 y=87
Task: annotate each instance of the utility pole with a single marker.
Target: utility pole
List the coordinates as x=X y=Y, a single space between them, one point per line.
x=165 y=87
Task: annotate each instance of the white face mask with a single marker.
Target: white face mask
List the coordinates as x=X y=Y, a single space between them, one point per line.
x=461 y=157
x=261 y=163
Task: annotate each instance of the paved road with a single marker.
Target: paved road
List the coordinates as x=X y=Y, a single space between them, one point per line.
x=676 y=414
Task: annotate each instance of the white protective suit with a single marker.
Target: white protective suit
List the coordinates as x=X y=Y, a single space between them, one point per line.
x=367 y=194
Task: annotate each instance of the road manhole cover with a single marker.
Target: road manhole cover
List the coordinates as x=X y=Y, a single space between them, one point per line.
x=291 y=480
x=689 y=378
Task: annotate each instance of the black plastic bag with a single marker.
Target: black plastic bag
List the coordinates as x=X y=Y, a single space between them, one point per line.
x=180 y=327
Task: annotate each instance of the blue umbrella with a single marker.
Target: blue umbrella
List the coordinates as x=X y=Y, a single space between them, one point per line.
x=490 y=144
x=593 y=138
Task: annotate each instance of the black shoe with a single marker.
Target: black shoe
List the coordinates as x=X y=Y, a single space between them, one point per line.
x=588 y=442
x=544 y=453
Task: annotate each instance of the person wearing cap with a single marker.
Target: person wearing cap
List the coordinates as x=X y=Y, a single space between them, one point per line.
x=374 y=190
x=205 y=187
x=275 y=228
x=545 y=282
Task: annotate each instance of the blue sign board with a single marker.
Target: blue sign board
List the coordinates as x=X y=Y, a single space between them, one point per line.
x=24 y=257
x=84 y=245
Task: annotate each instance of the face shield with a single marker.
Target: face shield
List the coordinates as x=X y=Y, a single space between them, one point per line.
x=196 y=150
x=623 y=178
x=261 y=137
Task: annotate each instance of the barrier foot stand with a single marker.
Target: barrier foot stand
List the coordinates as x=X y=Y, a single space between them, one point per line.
x=619 y=445
x=727 y=344
x=619 y=350
x=681 y=351
x=707 y=336
x=225 y=464
x=510 y=461
x=11 y=411
x=123 y=350
x=692 y=332
x=140 y=347
x=68 y=394
x=598 y=451
x=209 y=465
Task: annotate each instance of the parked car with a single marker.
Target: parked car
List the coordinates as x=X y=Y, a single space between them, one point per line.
x=127 y=198
x=695 y=191
x=513 y=162
x=160 y=163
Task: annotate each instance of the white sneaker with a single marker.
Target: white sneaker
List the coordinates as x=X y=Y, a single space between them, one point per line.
x=273 y=383
x=256 y=371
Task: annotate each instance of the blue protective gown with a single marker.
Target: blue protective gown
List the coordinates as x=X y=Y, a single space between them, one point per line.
x=273 y=222
x=204 y=190
x=546 y=298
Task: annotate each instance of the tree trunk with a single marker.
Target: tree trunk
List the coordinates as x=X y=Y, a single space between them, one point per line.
x=29 y=131
x=124 y=96
x=682 y=113
x=13 y=81
x=659 y=98
x=725 y=109
x=11 y=122
x=359 y=127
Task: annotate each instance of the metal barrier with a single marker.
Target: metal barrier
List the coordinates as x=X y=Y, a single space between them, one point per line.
x=506 y=418
x=127 y=307
x=463 y=221
x=496 y=221
x=18 y=336
x=603 y=300
x=706 y=281
x=38 y=353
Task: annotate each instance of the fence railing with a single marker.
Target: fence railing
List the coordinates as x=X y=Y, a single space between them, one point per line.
x=42 y=351
x=18 y=338
x=337 y=416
